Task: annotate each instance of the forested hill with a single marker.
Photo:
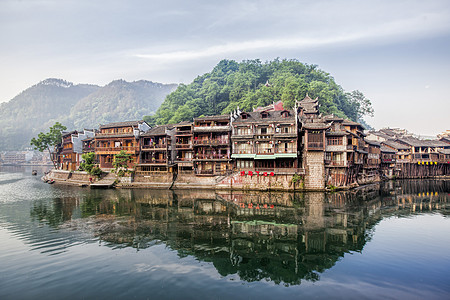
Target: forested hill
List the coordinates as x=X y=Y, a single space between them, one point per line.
x=75 y=106
x=251 y=83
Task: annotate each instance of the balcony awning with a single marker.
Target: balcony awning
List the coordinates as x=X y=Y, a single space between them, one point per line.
x=246 y=155
x=262 y=156
x=285 y=155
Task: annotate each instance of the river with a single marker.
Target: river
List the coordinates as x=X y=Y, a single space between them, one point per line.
x=387 y=241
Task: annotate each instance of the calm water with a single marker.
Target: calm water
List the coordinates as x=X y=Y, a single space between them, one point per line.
x=60 y=242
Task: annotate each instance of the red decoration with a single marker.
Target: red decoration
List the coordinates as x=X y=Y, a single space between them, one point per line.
x=271 y=206
x=250 y=205
x=242 y=205
x=250 y=173
x=257 y=173
x=242 y=173
x=272 y=174
x=265 y=173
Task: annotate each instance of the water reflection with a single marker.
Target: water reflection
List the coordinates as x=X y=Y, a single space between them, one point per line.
x=279 y=237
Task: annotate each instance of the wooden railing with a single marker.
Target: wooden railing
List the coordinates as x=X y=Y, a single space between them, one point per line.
x=211 y=142
x=315 y=145
x=184 y=159
x=183 y=132
x=211 y=156
x=183 y=146
x=125 y=148
x=335 y=163
x=154 y=146
x=153 y=161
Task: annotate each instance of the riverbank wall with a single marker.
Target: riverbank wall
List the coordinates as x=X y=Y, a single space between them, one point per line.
x=235 y=181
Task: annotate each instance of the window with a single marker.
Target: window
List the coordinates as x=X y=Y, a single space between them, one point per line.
x=263 y=130
x=334 y=141
x=264 y=115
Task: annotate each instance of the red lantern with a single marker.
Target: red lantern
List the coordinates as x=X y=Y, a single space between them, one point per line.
x=272 y=174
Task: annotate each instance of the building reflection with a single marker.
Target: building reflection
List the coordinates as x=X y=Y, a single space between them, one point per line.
x=281 y=237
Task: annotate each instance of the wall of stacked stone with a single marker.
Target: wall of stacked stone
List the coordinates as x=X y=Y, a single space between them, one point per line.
x=315 y=170
x=156 y=178
x=80 y=176
x=60 y=175
x=257 y=182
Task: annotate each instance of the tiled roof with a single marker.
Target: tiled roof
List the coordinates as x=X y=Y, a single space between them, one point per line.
x=395 y=145
x=158 y=130
x=336 y=133
x=121 y=124
x=213 y=118
x=387 y=149
x=184 y=123
x=444 y=151
x=272 y=116
x=373 y=143
x=414 y=142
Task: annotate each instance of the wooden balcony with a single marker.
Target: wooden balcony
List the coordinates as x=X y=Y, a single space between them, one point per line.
x=279 y=170
x=315 y=146
x=188 y=159
x=115 y=150
x=183 y=132
x=211 y=157
x=153 y=161
x=183 y=146
x=332 y=163
x=211 y=142
x=154 y=147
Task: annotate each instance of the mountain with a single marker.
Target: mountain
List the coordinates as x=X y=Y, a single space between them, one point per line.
x=251 y=83
x=75 y=106
x=118 y=101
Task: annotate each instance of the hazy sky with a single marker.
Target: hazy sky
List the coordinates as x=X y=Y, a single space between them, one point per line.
x=396 y=52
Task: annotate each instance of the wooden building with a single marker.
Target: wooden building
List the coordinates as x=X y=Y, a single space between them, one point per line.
x=115 y=137
x=184 y=147
x=388 y=161
x=157 y=149
x=266 y=141
x=212 y=148
x=67 y=157
x=423 y=150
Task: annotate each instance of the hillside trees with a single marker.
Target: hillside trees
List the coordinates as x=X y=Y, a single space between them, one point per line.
x=251 y=83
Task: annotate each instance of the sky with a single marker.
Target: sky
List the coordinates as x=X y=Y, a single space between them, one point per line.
x=396 y=52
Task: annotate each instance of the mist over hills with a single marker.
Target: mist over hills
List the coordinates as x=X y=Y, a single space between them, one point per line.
x=75 y=106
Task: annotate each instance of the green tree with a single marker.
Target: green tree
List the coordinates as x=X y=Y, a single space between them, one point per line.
x=88 y=162
x=251 y=83
x=45 y=141
x=121 y=161
x=361 y=104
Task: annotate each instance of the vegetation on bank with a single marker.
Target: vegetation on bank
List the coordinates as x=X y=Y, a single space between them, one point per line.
x=251 y=84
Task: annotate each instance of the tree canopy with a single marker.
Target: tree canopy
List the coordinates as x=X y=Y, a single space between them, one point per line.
x=251 y=83
x=45 y=141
